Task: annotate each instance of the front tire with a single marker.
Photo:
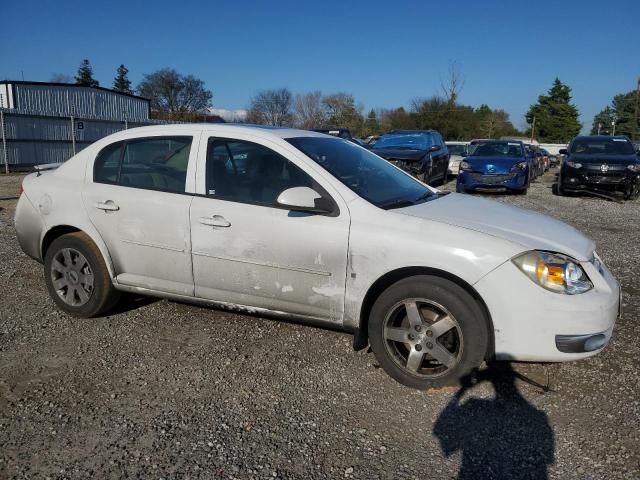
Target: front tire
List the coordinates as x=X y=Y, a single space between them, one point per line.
x=426 y=332
x=77 y=277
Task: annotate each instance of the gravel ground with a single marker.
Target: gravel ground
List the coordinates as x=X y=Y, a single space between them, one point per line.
x=166 y=390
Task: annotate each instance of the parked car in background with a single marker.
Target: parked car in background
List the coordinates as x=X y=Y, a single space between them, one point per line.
x=546 y=158
x=421 y=153
x=340 y=133
x=602 y=163
x=457 y=152
x=435 y=283
x=495 y=166
x=371 y=140
x=533 y=160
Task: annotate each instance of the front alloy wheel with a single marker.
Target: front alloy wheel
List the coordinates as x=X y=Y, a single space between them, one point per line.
x=427 y=331
x=423 y=337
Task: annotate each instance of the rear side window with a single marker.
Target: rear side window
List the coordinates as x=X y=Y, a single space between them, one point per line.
x=158 y=163
x=107 y=164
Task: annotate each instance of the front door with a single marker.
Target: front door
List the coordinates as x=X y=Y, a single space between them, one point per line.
x=137 y=202
x=249 y=251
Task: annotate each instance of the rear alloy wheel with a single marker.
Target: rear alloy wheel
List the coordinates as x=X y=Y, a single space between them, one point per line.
x=77 y=277
x=427 y=332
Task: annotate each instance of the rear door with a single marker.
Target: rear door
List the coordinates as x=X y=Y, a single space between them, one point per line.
x=249 y=251
x=138 y=201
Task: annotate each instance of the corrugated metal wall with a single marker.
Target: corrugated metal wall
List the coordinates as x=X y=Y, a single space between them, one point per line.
x=84 y=102
x=37 y=139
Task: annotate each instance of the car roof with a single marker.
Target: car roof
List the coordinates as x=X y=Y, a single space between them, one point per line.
x=264 y=131
x=410 y=132
x=602 y=137
x=499 y=141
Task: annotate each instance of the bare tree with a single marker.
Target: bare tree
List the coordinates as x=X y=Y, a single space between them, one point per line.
x=452 y=85
x=309 y=111
x=271 y=107
x=174 y=96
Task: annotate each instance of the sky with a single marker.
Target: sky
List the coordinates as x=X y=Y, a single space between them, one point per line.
x=385 y=53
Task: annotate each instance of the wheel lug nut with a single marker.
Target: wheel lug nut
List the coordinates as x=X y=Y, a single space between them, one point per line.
x=429 y=333
x=418 y=328
x=429 y=345
x=418 y=348
x=411 y=336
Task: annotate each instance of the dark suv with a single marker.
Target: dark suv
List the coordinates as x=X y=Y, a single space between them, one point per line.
x=600 y=163
x=421 y=153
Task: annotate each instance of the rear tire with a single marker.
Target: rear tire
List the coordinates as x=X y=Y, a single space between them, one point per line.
x=77 y=277
x=426 y=332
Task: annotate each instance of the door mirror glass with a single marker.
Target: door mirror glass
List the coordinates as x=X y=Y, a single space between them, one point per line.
x=434 y=148
x=304 y=199
x=562 y=151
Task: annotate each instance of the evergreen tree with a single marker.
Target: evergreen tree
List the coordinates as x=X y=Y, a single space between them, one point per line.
x=122 y=83
x=85 y=75
x=556 y=117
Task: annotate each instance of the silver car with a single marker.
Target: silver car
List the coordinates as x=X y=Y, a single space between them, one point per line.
x=297 y=224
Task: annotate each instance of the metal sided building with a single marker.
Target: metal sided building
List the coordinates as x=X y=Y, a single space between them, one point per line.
x=50 y=122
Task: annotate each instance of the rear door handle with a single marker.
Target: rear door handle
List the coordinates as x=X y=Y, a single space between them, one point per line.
x=107 y=206
x=215 y=221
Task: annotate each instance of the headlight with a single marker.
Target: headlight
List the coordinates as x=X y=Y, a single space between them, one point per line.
x=554 y=271
x=573 y=164
x=464 y=165
x=634 y=167
x=519 y=167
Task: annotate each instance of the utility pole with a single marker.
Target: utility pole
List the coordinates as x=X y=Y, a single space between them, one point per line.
x=637 y=124
x=599 y=127
x=73 y=135
x=613 y=124
x=533 y=128
x=4 y=142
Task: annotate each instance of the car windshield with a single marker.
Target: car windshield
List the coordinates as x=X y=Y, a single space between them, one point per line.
x=409 y=141
x=368 y=175
x=604 y=146
x=498 y=149
x=457 y=149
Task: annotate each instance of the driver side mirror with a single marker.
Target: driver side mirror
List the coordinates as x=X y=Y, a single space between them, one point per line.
x=305 y=199
x=562 y=151
x=434 y=148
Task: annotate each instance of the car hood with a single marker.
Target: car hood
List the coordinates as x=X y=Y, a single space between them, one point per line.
x=530 y=229
x=493 y=164
x=390 y=153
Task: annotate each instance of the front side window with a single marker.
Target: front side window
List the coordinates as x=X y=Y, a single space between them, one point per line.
x=247 y=172
x=158 y=163
x=368 y=175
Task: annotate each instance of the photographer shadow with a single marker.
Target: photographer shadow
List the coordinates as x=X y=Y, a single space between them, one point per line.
x=504 y=437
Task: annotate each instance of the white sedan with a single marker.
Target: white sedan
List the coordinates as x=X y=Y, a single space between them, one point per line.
x=296 y=224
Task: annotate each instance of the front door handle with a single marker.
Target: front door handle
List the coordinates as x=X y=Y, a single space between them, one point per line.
x=107 y=206
x=215 y=221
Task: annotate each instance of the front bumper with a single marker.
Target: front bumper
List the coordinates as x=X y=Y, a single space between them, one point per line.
x=469 y=181
x=581 y=179
x=534 y=324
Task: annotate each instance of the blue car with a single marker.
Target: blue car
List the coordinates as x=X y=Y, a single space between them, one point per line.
x=495 y=166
